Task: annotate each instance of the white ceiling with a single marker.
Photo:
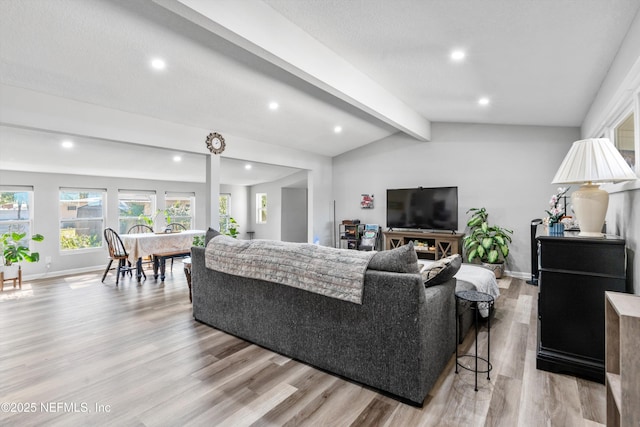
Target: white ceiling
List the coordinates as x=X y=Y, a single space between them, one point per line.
x=235 y=172
x=33 y=151
x=540 y=63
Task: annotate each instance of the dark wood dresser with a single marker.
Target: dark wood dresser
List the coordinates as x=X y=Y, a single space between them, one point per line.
x=575 y=272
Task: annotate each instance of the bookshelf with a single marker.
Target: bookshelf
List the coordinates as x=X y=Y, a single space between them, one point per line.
x=622 y=329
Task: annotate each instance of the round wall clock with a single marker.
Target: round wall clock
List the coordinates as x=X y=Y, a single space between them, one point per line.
x=215 y=143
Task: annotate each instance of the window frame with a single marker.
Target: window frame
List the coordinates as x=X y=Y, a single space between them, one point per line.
x=614 y=132
x=136 y=193
x=224 y=219
x=18 y=222
x=260 y=209
x=192 y=206
x=102 y=220
x=617 y=116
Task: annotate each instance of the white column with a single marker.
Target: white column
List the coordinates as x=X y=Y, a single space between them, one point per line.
x=213 y=190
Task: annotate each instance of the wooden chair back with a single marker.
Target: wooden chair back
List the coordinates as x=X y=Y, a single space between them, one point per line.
x=116 y=247
x=140 y=228
x=176 y=226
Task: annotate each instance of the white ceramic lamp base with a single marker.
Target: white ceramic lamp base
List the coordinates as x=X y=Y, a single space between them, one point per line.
x=590 y=206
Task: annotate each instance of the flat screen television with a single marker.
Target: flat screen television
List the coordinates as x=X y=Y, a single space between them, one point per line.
x=423 y=208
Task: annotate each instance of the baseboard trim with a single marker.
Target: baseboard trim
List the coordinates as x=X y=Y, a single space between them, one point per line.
x=518 y=274
x=59 y=273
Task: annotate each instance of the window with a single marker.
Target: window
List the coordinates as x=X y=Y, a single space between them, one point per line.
x=261 y=208
x=81 y=218
x=224 y=211
x=624 y=140
x=180 y=208
x=135 y=207
x=16 y=210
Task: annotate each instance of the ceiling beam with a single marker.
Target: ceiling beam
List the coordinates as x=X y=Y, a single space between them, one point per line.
x=260 y=30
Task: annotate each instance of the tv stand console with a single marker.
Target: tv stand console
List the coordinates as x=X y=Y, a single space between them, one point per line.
x=428 y=244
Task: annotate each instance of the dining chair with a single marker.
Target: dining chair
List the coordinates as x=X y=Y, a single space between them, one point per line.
x=175 y=226
x=140 y=228
x=117 y=252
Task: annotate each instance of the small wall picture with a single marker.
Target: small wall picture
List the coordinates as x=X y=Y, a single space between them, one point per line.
x=366 y=201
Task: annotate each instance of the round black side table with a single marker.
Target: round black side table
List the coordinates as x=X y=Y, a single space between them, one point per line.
x=479 y=301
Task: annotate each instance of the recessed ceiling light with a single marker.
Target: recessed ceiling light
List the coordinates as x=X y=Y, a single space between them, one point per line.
x=177 y=158
x=458 y=55
x=337 y=129
x=158 y=64
x=247 y=166
x=483 y=101
x=67 y=144
x=273 y=105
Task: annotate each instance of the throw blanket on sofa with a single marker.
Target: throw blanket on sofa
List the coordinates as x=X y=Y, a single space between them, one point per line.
x=337 y=273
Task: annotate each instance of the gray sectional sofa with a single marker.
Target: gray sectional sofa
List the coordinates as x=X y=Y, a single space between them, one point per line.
x=398 y=340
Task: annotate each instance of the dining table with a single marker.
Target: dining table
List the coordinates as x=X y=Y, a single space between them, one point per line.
x=141 y=245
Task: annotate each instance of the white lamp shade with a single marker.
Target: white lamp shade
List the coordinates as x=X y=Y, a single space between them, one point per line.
x=589 y=162
x=593 y=160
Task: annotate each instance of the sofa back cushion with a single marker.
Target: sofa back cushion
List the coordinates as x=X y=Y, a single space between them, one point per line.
x=399 y=260
x=211 y=233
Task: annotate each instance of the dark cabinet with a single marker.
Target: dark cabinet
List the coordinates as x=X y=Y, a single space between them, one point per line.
x=574 y=273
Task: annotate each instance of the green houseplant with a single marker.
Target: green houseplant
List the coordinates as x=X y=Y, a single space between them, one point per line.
x=14 y=251
x=149 y=220
x=232 y=228
x=486 y=243
x=198 y=241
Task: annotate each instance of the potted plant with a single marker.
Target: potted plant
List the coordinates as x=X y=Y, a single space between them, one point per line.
x=232 y=228
x=158 y=221
x=489 y=244
x=14 y=251
x=556 y=211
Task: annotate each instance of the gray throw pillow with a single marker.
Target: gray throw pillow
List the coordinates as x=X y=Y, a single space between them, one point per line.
x=398 y=260
x=442 y=270
x=211 y=233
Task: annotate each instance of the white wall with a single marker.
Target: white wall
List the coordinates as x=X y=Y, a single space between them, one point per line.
x=616 y=94
x=621 y=81
x=46 y=220
x=273 y=228
x=623 y=220
x=293 y=221
x=506 y=169
x=239 y=206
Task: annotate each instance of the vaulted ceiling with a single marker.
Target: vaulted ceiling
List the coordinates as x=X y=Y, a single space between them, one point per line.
x=371 y=67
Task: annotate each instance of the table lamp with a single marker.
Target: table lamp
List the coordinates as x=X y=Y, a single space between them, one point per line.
x=590 y=162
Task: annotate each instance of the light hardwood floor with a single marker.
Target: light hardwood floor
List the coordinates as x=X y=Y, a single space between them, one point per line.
x=75 y=351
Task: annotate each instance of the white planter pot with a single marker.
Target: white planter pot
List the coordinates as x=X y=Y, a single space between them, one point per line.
x=10 y=271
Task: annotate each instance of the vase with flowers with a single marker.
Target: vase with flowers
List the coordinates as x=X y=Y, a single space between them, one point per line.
x=556 y=211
